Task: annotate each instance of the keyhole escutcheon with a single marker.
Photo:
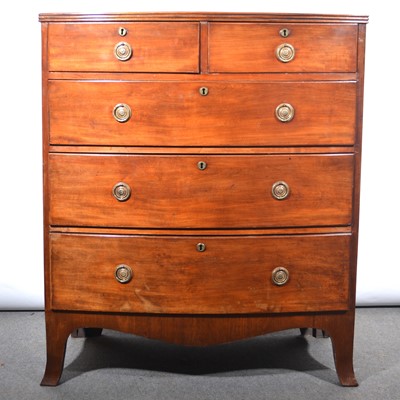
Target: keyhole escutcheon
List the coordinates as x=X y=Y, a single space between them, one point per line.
x=201 y=165
x=284 y=32
x=203 y=91
x=122 y=31
x=200 y=247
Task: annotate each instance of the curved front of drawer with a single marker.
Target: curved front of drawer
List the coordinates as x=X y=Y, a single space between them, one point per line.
x=166 y=113
x=282 y=47
x=124 y=47
x=201 y=191
x=169 y=275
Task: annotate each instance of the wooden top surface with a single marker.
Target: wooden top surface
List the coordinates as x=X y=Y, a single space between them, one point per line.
x=197 y=16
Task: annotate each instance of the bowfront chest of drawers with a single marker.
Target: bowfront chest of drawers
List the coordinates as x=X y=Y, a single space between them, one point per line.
x=201 y=176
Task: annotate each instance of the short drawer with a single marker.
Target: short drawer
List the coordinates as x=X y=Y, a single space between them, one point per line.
x=169 y=275
x=243 y=47
x=170 y=113
x=201 y=191
x=147 y=47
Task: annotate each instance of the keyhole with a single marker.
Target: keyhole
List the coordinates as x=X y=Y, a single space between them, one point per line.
x=201 y=247
x=122 y=31
x=202 y=165
x=203 y=91
x=284 y=32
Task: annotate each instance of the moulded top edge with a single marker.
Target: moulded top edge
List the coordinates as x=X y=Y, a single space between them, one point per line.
x=183 y=16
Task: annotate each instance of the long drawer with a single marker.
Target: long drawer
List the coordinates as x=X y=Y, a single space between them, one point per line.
x=167 y=113
x=202 y=191
x=243 y=47
x=141 y=47
x=169 y=275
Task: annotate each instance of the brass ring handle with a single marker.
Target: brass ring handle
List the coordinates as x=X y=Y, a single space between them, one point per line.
x=280 y=190
x=285 y=52
x=280 y=276
x=123 y=51
x=121 y=191
x=284 y=112
x=123 y=273
x=122 y=112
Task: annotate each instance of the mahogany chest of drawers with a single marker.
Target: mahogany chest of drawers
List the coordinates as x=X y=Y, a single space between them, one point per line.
x=201 y=176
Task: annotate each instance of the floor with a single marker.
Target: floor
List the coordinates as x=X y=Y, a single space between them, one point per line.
x=277 y=366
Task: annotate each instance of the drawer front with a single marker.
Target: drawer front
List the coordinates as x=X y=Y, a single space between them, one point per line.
x=176 y=114
x=177 y=192
x=253 y=47
x=168 y=274
x=154 y=47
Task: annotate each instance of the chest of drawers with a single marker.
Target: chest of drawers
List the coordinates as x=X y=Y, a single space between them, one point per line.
x=201 y=176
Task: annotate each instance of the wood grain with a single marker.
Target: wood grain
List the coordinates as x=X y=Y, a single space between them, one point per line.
x=233 y=274
x=156 y=47
x=204 y=17
x=200 y=331
x=175 y=114
x=225 y=293
x=251 y=47
x=171 y=192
